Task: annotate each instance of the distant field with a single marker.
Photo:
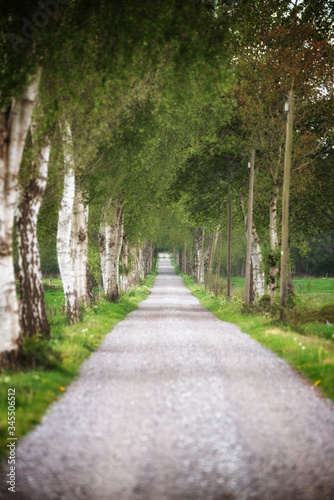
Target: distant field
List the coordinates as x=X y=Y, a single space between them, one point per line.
x=309 y=288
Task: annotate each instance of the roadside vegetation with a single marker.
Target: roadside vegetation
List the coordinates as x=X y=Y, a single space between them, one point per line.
x=305 y=340
x=48 y=366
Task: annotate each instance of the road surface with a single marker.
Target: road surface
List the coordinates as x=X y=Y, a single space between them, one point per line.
x=178 y=405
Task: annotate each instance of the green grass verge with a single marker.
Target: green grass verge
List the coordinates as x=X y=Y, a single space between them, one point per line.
x=309 y=353
x=56 y=362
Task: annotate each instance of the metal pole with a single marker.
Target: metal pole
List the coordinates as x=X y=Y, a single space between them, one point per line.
x=285 y=207
x=249 y=229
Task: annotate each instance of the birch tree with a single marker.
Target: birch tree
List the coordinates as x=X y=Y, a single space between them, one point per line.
x=79 y=239
x=32 y=306
x=14 y=126
x=257 y=281
x=270 y=62
x=110 y=243
x=65 y=224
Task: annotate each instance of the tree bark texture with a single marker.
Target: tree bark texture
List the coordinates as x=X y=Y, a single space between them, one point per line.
x=64 y=233
x=110 y=242
x=14 y=126
x=32 y=305
x=218 y=264
x=211 y=258
x=129 y=266
x=257 y=278
x=274 y=243
x=249 y=229
x=80 y=249
x=197 y=253
x=201 y=275
x=184 y=260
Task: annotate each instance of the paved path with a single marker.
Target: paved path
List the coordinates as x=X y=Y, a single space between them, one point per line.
x=178 y=405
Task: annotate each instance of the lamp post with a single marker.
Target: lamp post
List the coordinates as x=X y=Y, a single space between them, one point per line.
x=289 y=105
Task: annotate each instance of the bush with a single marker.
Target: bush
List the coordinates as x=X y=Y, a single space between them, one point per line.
x=264 y=307
x=38 y=353
x=322 y=315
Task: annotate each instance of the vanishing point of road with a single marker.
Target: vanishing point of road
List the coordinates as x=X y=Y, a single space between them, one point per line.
x=178 y=405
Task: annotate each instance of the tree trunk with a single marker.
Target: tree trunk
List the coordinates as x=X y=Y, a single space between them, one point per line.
x=64 y=233
x=80 y=249
x=201 y=276
x=102 y=247
x=138 y=264
x=218 y=264
x=211 y=258
x=147 y=256
x=257 y=277
x=197 y=254
x=184 y=261
x=273 y=257
x=249 y=230
x=110 y=241
x=14 y=126
x=131 y=265
x=32 y=306
x=126 y=270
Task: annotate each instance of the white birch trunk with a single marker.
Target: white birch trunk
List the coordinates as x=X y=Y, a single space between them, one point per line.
x=110 y=240
x=131 y=265
x=141 y=266
x=102 y=247
x=80 y=248
x=197 y=253
x=125 y=257
x=32 y=306
x=64 y=234
x=147 y=257
x=257 y=275
x=138 y=264
x=201 y=271
x=13 y=132
x=274 y=243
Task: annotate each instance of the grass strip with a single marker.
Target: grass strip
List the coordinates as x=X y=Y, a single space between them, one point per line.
x=311 y=355
x=53 y=364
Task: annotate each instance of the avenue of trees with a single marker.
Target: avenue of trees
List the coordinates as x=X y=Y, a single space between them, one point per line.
x=131 y=126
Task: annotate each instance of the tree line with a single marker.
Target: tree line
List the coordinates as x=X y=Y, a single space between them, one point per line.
x=129 y=126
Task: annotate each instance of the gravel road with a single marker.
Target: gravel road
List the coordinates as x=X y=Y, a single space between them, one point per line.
x=178 y=405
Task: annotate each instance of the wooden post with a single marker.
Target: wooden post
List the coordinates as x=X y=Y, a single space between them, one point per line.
x=249 y=229
x=229 y=233
x=285 y=207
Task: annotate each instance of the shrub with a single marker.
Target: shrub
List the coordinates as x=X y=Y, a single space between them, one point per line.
x=38 y=353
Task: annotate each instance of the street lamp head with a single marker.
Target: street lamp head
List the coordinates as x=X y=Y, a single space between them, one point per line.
x=286 y=106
